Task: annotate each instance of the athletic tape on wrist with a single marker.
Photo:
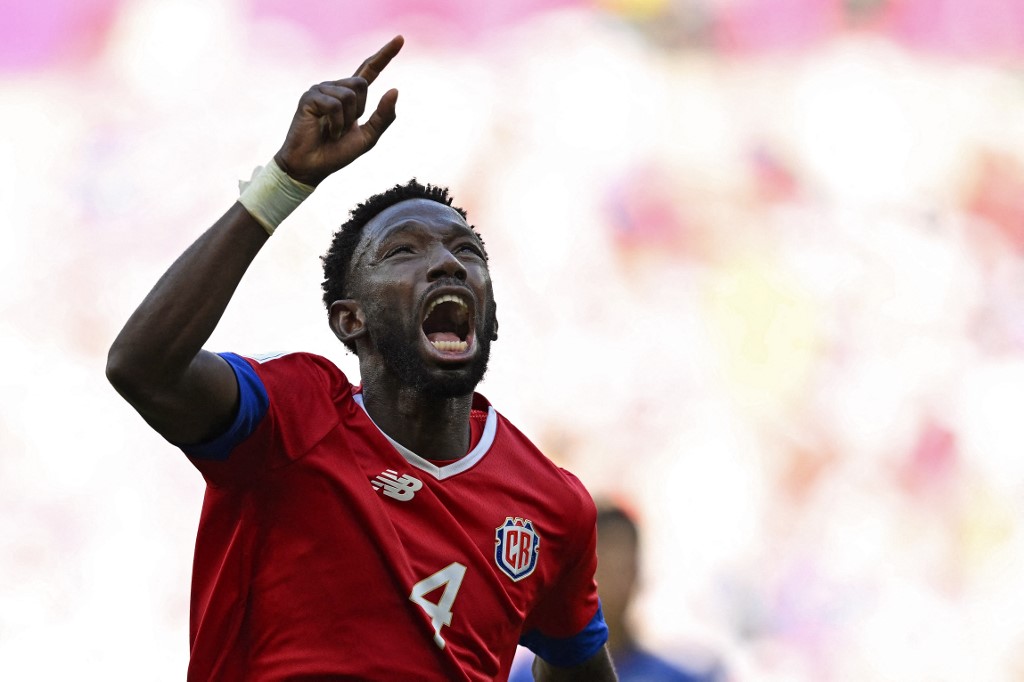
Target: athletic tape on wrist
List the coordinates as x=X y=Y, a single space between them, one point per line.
x=271 y=195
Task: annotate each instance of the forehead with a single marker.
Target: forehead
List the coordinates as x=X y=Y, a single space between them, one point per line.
x=412 y=212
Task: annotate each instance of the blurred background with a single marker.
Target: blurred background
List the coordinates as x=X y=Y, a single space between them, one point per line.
x=760 y=273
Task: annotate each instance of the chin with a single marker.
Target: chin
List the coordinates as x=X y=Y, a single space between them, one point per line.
x=416 y=362
x=454 y=384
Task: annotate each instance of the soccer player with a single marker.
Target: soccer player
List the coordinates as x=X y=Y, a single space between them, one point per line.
x=400 y=529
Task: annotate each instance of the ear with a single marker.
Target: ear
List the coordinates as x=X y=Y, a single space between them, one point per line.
x=348 y=322
x=494 y=336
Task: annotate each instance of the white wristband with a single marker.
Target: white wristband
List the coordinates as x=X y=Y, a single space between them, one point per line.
x=271 y=195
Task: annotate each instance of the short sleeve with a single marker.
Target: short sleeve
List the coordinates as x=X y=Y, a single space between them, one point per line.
x=567 y=627
x=252 y=406
x=287 y=403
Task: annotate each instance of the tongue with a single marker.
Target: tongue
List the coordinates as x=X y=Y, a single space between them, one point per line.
x=443 y=336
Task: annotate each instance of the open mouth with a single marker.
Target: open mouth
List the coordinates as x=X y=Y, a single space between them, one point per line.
x=447 y=324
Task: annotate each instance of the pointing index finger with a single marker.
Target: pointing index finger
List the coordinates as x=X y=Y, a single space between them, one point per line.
x=372 y=67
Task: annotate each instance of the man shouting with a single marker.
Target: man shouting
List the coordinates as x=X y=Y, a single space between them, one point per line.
x=400 y=529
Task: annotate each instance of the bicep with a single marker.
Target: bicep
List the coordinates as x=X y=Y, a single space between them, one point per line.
x=597 y=668
x=197 y=407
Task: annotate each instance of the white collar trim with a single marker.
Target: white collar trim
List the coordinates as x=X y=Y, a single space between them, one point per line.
x=448 y=470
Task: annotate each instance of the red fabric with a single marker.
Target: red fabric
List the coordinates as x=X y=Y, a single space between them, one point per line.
x=304 y=568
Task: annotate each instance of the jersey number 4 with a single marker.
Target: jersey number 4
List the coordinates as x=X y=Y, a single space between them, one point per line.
x=441 y=612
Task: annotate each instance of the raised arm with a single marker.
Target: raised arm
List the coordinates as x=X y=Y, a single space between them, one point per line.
x=157 y=363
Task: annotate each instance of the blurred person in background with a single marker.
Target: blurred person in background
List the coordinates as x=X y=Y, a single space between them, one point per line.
x=401 y=529
x=618 y=569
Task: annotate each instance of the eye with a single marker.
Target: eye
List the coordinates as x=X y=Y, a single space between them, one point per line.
x=470 y=248
x=404 y=248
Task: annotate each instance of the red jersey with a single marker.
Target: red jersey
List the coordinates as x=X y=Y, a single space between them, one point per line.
x=327 y=550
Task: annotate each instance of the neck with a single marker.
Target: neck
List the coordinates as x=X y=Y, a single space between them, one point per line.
x=432 y=427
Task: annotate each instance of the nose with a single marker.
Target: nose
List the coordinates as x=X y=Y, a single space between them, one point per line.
x=445 y=264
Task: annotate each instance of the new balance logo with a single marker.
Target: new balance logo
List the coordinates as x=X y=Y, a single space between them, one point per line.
x=400 y=488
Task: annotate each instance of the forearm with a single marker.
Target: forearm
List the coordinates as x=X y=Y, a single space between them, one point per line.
x=598 y=668
x=157 y=362
x=170 y=326
x=167 y=331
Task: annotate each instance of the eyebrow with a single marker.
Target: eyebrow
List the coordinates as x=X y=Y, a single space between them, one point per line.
x=372 y=252
x=416 y=225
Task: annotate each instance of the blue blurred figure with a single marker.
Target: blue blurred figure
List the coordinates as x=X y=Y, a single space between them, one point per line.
x=618 y=566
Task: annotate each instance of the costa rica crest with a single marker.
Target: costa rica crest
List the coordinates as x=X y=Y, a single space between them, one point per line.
x=515 y=547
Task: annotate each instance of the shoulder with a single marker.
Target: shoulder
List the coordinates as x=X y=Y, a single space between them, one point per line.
x=291 y=359
x=545 y=475
x=290 y=367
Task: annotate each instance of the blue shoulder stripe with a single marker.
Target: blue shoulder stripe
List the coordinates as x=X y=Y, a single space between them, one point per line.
x=565 y=652
x=252 y=406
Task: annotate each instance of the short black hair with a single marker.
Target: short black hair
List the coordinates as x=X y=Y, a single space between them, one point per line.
x=611 y=514
x=338 y=258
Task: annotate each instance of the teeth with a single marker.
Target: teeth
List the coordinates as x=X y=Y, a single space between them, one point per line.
x=452 y=298
x=450 y=346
